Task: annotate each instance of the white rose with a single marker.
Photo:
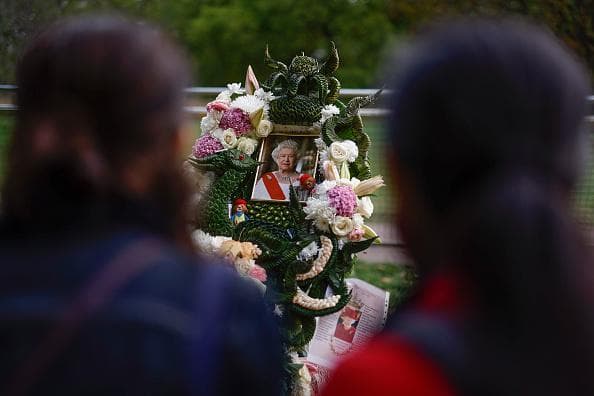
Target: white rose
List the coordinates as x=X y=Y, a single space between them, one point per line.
x=365 y=207
x=342 y=226
x=264 y=128
x=247 y=145
x=352 y=150
x=338 y=152
x=226 y=137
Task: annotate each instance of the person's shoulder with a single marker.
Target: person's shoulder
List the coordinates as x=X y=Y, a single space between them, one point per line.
x=388 y=365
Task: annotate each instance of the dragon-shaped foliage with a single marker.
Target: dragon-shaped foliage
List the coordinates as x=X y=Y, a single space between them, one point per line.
x=233 y=169
x=349 y=125
x=302 y=89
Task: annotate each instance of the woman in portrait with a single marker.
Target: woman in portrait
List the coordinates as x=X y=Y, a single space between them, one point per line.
x=275 y=185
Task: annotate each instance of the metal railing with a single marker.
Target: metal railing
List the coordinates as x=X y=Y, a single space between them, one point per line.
x=9 y=89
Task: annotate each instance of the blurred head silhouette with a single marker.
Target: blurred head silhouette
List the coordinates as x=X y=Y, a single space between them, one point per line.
x=488 y=139
x=99 y=121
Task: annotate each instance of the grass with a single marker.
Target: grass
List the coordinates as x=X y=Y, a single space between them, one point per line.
x=397 y=279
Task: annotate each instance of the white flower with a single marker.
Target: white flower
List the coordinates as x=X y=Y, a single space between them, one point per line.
x=323 y=187
x=247 y=145
x=235 y=88
x=278 y=310
x=249 y=104
x=352 y=150
x=365 y=207
x=330 y=170
x=338 y=152
x=206 y=243
x=308 y=252
x=369 y=186
x=320 y=212
x=341 y=226
x=227 y=137
x=224 y=96
x=328 y=111
x=320 y=144
x=208 y=123
x=264 y=128
x=357 y=220
x=264 y=95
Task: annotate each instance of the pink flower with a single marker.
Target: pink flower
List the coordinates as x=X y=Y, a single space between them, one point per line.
x=258 y=273
x=206 y=145
x=217 y=105
x=343 y=199
x=236 y=119
x=356 y=234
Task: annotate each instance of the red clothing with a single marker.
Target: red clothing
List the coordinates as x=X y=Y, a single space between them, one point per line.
x=390 y=365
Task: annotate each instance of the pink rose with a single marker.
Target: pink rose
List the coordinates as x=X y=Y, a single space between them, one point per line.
x=258 y=273
x=356 y=234
x=217 y=105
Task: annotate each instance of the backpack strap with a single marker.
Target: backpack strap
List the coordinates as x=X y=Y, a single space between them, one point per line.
x=438 y=337
x=131 y=261
x=206 y=350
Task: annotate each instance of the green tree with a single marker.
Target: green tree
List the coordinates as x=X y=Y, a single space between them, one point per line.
x=224 y=39
x=571 y=20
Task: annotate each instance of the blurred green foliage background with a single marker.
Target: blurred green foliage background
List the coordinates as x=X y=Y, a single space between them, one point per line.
x=223 y=36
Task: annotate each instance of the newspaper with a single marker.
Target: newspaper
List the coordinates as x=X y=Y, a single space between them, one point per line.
x=347 y=330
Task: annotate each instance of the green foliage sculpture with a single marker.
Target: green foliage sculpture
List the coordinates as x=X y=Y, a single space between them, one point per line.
x=305 y=251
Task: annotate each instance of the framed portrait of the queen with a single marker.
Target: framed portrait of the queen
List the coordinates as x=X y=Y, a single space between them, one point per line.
x=285 y=160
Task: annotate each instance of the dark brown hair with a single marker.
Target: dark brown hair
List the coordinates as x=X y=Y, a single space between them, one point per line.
x=96 y=94
x=486 y=133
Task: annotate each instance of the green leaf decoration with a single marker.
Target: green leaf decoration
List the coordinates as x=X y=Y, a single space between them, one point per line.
x=356 y=247
x=332 y=63
x=303 y=328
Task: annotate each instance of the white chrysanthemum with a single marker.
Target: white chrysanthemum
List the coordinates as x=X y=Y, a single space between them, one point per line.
x=320 y=212
x=327 y=112
x=323 y=187
x=309 y=252
x=250 y=104
x=352 y=150
x=357 y=220
x=264 y=95
x=208 y=123
x=235 y=88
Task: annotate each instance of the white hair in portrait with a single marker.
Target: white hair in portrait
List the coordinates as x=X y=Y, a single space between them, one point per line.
x=289 y=143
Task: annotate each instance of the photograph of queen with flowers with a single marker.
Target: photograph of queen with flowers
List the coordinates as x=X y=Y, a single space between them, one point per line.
x=286 y=160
